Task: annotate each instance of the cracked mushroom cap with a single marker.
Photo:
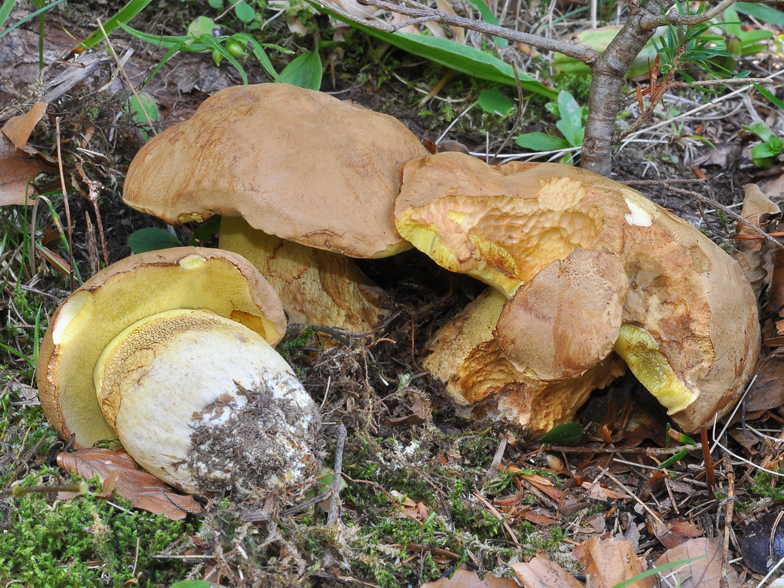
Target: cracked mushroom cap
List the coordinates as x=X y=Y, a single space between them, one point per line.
x=126 y=292
x=587 y=262
x=295 y=163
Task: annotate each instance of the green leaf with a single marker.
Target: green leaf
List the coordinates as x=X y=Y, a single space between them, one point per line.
x=5 y=10
x=151 y=239
x=208 y=228
x=146 y=103
x=216 y=4
x=244 y=12
x=494 y=102
x=462 y=58
x=762 y=12
x=541 y=142
x=769 y=96
x=760 y=129
x=571 y=123
x=653 y=571
x=201 y=26
x=304 y=71
x=194 y=584
x=183 y=43
x=566 y=434
x=261 y=55
x=26 y=18
x=212 y=43
x=488 y=16
x=128 y=11
x=732 y=22
x=673 y=459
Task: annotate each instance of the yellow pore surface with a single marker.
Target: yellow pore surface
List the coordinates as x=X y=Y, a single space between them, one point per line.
x=91 y=318
x=500 y=240
x=641 y=353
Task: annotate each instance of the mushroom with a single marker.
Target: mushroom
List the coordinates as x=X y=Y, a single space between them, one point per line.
x=171 y=353
x=589 y=266
x=301 y=179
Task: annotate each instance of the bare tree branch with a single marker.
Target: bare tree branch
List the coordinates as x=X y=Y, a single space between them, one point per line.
x=420 y=13
x=652 y=21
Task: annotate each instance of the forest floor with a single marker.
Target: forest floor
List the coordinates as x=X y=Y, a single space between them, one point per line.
x=426 y=492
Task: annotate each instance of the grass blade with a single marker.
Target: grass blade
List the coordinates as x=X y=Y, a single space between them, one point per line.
x=29 y=16
x=127 y=12
x=5 y=10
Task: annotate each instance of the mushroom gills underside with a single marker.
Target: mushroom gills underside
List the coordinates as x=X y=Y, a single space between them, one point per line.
x=316 y=287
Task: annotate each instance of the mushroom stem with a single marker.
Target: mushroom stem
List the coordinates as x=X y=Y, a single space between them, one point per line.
x=315 y=286
x=483 y=382
x=205 y=404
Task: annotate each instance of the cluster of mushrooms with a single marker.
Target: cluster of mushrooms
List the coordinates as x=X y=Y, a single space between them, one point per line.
x=171 y=351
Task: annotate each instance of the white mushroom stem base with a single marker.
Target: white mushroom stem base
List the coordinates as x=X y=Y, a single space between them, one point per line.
x=206 y=404
x=315 y=286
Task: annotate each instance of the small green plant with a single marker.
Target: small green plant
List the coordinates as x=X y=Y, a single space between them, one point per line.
x=571 y=124
x=494 y=102
x=763 y=154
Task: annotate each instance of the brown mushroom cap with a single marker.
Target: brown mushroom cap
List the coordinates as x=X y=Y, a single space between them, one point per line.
x=126 y=292
x=484 y=383
x=298 y=164
x=504 y=225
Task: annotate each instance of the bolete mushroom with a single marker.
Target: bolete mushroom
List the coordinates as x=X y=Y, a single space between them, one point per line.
x=171 y=353
x=301 y=180
x=589 y=266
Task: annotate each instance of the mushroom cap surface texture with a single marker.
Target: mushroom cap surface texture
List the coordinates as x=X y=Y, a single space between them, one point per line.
x=207 y=405
x=295 y=163
x=580 y=255
x=126 y=292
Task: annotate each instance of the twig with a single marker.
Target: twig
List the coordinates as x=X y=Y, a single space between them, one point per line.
x=67 y=208
x=334 y=503
x=725 y=210
x=633 y=495
x=652 y=21
x=642 y=450
x=125 y=75
x=93 y=188
x=494 y=511
x=728 y=471
x=708 y=460
x=423 y=14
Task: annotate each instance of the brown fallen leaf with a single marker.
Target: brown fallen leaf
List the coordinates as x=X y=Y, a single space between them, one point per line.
x=599 y=492
x=19 y=128
x=537 y=516
x=117 y=470
x=673 y=533
x=541 y=572
x=702 y=573
x=610 y=561
x=17 y=169
x=767 y=391
x=466 y=579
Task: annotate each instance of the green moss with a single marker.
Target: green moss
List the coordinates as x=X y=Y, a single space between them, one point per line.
x=85 y=542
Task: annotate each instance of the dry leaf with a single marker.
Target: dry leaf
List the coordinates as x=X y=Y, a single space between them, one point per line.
x=702 y=573
x=767 y=392
x=611 y=561
x=599 y=492
x=537 y=516
x=466 y=579
x=19 y=128
x=117 y=468
x=540 y=572
x=543 y=485
x=722 y=155
x=17 y=169
x=673 y=533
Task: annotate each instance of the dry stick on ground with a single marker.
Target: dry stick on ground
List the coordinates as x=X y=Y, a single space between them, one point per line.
x=334 y=503
x=726 y=211
x=728 y=471
x=67 y=208
x=608 y=68
x=93 y=188
x=642 y=450
x=708 y=459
